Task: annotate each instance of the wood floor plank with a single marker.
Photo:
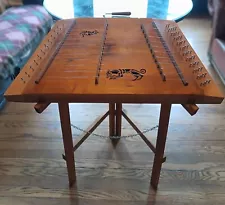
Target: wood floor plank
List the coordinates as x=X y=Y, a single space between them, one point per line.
x=170 y=180
x=161 y=200
x=120 y=195
x=114 y=170
x=200 y=152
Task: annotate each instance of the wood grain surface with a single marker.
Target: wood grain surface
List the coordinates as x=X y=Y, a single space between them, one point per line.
x=33 y=172
x=70 y=72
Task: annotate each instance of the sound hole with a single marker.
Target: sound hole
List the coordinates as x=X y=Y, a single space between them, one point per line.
x=119 y=73
x=88 y=33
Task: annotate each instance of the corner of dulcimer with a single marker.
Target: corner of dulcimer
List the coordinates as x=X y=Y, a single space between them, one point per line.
x=192 y=109
x=41 y=107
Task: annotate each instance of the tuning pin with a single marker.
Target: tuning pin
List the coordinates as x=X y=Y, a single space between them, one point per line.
x=42 y=51
x=173 y=33
x=205 y=82
x=31 y=68
x=191 y=64
x=35 y=62
x=195 y=70
x=201 y=76
x=164 y=77
x=185 y=53
x=27 y=74
x=23 y=80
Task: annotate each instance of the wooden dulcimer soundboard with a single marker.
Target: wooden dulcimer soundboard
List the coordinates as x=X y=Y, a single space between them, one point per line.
x=115 y=60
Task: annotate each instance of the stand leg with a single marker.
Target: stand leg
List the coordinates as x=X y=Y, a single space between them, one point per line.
x=118 y=118
x=111 y=119
x=67 y=141
x=160 y=144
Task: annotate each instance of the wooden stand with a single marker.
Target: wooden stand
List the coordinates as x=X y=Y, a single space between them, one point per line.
x=67 y=141
x=115 y=119
x=160 y=143
x=115 y=114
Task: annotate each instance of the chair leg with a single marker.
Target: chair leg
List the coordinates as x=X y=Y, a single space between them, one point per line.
x=160 y=144
x=67 y=141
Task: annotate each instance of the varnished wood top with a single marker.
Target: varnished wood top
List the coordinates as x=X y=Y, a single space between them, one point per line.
x=71 y=61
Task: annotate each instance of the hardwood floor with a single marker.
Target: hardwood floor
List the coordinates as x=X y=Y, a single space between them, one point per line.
x=32 y=170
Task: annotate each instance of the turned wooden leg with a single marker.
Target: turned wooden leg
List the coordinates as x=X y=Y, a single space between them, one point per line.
x=67 y=141
x=111 y=119
x=160 y=144
x=118 y=118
